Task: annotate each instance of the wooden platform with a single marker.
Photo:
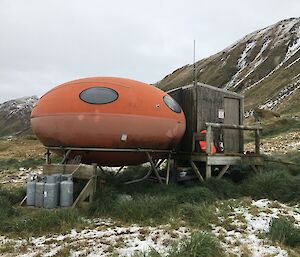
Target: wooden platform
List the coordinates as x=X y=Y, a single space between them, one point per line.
x=86 y=173
x=198 y=158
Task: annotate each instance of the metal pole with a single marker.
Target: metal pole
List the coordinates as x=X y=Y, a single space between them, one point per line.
x=195 y=82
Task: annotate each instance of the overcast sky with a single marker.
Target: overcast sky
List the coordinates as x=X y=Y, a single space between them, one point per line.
x=47 y=42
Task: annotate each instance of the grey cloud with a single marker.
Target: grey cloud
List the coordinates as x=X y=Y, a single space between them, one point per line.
x=44 y=43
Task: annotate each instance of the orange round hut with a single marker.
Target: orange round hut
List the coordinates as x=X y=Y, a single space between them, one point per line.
x=108 y=112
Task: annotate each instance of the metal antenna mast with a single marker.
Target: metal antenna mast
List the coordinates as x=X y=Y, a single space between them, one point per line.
x=195 y=82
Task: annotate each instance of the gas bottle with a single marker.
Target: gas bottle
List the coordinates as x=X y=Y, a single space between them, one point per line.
x=30 y=189
x=66 y=191
x=39 y=191
x=50 y=192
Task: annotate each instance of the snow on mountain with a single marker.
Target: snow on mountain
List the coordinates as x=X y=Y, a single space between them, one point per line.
x=264 y=66
x=15 y=116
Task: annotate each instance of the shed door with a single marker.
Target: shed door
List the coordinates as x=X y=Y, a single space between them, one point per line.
x=232 y=116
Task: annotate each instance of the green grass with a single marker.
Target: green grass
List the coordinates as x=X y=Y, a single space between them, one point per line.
x=14 y=164
x=38 y=222
x=200 y=244
x=148 y=203
x=284 y=231
x=276 y=185
x=6 y=164
x=16 y=220
x=278 y=126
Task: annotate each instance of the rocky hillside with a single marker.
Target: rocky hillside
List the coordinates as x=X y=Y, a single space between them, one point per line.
x=15 y=116
x=264 y=66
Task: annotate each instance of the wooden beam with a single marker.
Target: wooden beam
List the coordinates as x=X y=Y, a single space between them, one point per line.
x=207 y=171
x=209 y=139
x=223 y=171
x=193 y=142
x=81 y=171
x=232 y=126
x=86 y=192
x=224 y=160
x=196 y=170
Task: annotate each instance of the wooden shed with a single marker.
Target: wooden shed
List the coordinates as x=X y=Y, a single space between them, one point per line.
x=202 y=103
x=215 y=116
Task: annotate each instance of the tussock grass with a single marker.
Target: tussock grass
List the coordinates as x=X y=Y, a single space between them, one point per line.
x=196 y=195
x=16 y=220
x=198 y=215
x=155 y=204
x=41 y=222
x=277 y=185
x=148 y=203
x=8 y=198
x=284 y=231
x=200 y=244
x=223 y=188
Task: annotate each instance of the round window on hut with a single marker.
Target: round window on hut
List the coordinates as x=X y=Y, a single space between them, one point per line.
x=172 y=104
x=98 y=95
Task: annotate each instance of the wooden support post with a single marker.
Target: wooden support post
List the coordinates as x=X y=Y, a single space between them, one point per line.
x=168 y=169
x=207 y=171
x=193 y=143
x=223 y=171
x=95 y=165
x=86 y=192
x=257 y=141
x=197 y=172
x=173 y=170
x=209 y=139
x=154 y=168
x=47 y=155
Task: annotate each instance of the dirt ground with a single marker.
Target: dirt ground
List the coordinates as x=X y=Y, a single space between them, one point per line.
x=21 y=148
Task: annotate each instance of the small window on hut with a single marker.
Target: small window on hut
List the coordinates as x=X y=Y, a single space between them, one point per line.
x=98 y=95
x=172 y=104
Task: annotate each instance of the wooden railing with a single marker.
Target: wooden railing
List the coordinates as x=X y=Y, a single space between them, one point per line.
x=209 y=137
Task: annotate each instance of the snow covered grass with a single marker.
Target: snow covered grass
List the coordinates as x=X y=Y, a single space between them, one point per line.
x=250 y=224
x=133 y=219
x=242 y=227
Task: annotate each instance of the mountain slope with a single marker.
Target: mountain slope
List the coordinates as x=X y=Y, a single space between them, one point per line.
x=264 y=66
x=15 y=116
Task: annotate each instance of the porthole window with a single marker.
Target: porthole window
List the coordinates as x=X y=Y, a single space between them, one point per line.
x=172 y=104
x=99 y=95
